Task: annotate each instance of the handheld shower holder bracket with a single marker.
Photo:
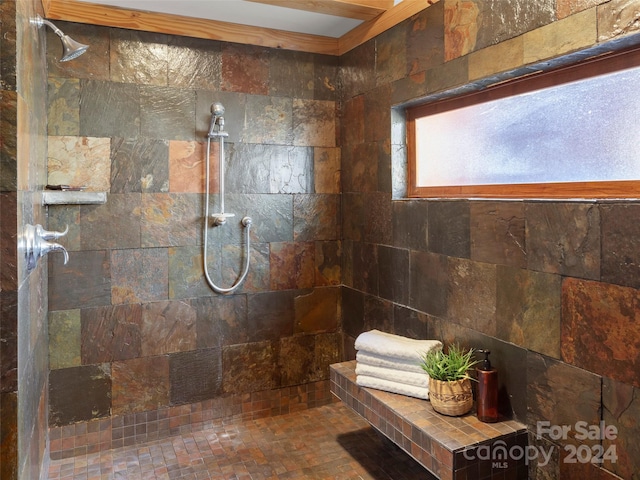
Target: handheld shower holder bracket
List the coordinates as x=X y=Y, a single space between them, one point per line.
x=221 y=218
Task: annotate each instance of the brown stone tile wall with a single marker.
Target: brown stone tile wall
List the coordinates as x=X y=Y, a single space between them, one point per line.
x=549 y=287
x=135 y=328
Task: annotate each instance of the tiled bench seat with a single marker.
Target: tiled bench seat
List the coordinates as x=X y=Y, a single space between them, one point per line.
x=446 y=446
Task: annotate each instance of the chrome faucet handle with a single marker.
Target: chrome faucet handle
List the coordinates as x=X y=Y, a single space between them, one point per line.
x=50 y=234
x=47 y=247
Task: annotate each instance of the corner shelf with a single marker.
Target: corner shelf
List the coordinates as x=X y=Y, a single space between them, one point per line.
x=55 y=197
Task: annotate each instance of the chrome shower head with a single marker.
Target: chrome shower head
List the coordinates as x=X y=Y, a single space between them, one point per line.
x=217 y=109
x=71 y=48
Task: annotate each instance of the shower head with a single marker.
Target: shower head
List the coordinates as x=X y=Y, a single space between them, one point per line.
x=217 y=109
x=71 y=48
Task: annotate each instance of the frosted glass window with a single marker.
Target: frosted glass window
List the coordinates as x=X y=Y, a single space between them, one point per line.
x=582 y=131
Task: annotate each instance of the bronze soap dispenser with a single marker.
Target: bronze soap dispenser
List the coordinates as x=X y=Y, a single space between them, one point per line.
x=487 y=399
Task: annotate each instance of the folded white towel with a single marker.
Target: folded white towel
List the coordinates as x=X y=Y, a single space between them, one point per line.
x=399 y=376
x=390 y=345
x=394 y=387
x=388 y=362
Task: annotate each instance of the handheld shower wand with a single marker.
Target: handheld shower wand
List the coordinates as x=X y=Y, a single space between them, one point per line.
x=216 y=129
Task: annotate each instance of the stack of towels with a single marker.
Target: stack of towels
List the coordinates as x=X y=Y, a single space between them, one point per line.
x=392 y=363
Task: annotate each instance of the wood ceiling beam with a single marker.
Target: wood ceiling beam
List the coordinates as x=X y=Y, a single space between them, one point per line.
x=357 y=9
x=108 y=16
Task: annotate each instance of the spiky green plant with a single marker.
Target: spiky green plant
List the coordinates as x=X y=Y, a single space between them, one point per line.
x=450 y=366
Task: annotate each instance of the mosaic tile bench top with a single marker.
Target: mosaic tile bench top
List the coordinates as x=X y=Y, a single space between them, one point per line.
x=452 y=448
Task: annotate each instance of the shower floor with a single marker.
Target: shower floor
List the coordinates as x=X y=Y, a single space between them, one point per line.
x=328 y=442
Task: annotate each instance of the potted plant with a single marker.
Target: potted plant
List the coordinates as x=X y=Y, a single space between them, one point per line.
x=449 y=381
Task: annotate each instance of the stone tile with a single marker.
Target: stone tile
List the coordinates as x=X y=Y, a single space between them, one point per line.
x=409 y=221
x=139 y=275
x=271 y=120
x=64 y=339
x=325 y=85
x=354 y=121
x=316 y=311
x=450 y=74
x=110 y=333
x=8 y=56
x=472 y=295
x=194 y=63
x=221 y=320
x=314 y=122
x=168 y=327
x=206 y=383
x=393 y=267
x=9 y=432
x=251 y=367
x=408 y=88
x=109 y=109
x=187 y=167
x=563 y=238
x=378 y=314
x=316 y=217
x=167 y=112
x=306 y=358
x=290 y=170
x=84 y=282
x=429 y=279
x=358 y=70
x=292 y=74
x=8 y=242
x=598 y=320
x=116 y=224
x=292 y=265
x=460 y=28
x=353 y=213
x=8 y=148
x=502 y=57
x=448 y=228
x=79 y=394
x=139 y=165
x=377 y=114
x=9 y=339
x=352 y=309
x=573 y=33
x=506 y=20
x=565 y=8
x=186 y=274
x=378 y=218
x=528 y=310
x=245 y=69
x=615 y=19
x=360 y=167
x=391 y=54
x=410 y=323
x=365 y=267
x=138 y=57
x=621 y=409
x=326 y=170
x=561 y=395
x=248 y=167
x=620 y=245
x=270 y=315
x=169 y=219
x=425 y=39
x=498 y=233
x=79 y=161
x=140 y=384
x=63 y=106
x=328 y=263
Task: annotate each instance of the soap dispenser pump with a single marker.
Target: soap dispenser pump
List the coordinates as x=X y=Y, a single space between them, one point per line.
x=487 y=399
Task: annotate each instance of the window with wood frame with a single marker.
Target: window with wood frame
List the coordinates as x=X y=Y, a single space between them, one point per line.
x=570 y=133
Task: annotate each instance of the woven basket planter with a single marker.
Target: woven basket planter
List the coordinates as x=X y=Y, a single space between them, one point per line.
x=451 y=398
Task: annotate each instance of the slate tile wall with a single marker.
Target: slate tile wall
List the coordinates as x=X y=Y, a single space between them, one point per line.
x=549 y=287
x=147 y=332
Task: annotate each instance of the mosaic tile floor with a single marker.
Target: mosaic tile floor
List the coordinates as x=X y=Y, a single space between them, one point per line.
x=329 y=442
